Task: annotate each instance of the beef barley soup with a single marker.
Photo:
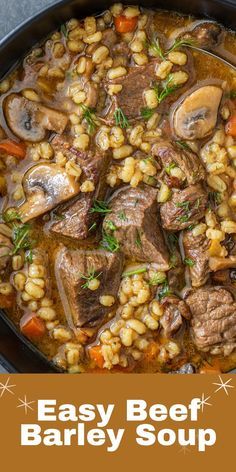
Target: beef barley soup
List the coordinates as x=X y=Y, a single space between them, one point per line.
x=118 y=194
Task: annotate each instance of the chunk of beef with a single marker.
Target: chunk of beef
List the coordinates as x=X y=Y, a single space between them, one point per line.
x=109 y=38
x=135 y=219
x=174 y=312
x=186 y=160
x=131 y=98
x=213 y=322
x=206 y=34
x=196 y=249
x=75 y=216
x=81 y=305
x=185 y=208
x=5 y=249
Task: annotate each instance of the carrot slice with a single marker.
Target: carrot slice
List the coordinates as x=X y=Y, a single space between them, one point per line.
x=230 y=127
x=32 y=327
x=13 y=148
x=125 y=25
x=95 y=353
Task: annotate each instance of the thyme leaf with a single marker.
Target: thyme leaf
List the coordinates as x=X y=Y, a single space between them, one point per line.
x=165 y=89
x=110 y=243
x=90 y=118
x=90 y=276
x=121 y=119
x=100 y=206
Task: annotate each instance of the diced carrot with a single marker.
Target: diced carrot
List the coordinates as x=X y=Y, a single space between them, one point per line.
x=95 y=353
x=13 y=148
x=125 y=25
x=32 y=327
x=230 y=127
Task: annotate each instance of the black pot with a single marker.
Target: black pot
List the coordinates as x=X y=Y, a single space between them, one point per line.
x=16 y=353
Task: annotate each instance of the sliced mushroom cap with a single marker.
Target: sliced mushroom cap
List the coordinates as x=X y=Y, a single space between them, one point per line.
x=30 y=120
x=45 y=186
x=196 y=116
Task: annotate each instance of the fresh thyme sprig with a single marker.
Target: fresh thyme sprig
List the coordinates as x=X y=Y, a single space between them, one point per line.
x=155 y=48
x=100 y=206
x=164 y=89
x=147 y=113
x=90 y=276
x=181 y=43
x=90 y=118
x=10 y=215
x=157 y=51
x=21 y=237
x=109 y=242
x=121 y=119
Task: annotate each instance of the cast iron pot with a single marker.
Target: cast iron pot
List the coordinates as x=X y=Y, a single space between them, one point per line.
x=16 y=353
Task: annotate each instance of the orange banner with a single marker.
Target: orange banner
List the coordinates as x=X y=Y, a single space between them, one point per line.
x=111 y=421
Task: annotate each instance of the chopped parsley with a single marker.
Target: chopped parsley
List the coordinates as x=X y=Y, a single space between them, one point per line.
x=120 y=119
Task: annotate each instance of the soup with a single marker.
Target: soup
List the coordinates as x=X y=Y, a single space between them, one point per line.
x=117 y=194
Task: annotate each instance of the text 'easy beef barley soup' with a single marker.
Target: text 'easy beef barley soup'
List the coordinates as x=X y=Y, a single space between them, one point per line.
x=118 y=194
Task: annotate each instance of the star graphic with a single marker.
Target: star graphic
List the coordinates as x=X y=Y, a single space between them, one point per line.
x=26 y=405
x=224 y=385
x=6 y=388
x=184 y=450
x=204 y=401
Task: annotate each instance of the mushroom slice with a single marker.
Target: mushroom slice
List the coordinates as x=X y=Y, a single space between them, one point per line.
x=196 y=116
x=30 y=120
x=45 y=186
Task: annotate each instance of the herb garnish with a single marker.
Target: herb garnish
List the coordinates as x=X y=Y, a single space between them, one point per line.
x=165 y=89
x=141 y=270
x=157 y=278
x=10 y=215
x=122 y=216
x=93 y=226
x=189 y=262
x=109 y=242
x=180 y=43
x=110 y=225
x=183 y=145
x=100 y=206
x=64 y=31
x=147 y=112
x=90 y=117
x=214 y=199
x=138 y=241
x=29 y=256
x=21 y=237
x=168 y=168
x=120 y=118
x=185 y=205
x=91 y=275
x=156 y=50
x=165 y=291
